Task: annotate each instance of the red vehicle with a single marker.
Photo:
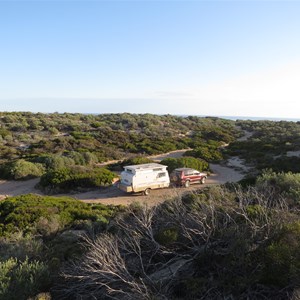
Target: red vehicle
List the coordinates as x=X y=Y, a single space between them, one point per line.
x=187 y=176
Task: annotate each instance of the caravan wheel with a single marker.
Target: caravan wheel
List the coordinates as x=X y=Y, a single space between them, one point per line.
x=146 y=192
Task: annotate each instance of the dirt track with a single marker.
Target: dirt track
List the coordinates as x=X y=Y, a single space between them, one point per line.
x=112 y=195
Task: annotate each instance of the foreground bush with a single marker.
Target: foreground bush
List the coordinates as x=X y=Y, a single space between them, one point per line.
x=46 y=215
x=246 y=240
x=287 y=184
x=21 y=279
x=37 y=235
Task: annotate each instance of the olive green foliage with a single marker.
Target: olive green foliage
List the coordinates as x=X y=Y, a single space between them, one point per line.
x=75 y=177
x=268 y=145
x=210 y=151
x=38 y=234
x=21 y=170
x=55 y=162
x=167 y=236
x=87 y=139
x=45 y=215
x=285 y=164
x=287 y=184
x=21 y=279
x=188 y=162
x=282 y=257
x=136 y=161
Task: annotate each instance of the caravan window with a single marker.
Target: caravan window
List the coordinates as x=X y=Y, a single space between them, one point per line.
x=129 y=171
x=163 y=174
x=157 y=169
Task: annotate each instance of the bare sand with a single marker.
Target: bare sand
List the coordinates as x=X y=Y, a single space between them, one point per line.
x=9 y=188
x=293 y=153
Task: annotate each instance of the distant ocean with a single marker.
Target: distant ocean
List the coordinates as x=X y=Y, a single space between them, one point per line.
x=234 y=118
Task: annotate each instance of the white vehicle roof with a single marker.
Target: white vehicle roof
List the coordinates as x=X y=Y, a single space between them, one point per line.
x=145 y=166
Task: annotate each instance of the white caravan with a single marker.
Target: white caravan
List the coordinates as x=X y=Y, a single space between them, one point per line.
x=144 y=177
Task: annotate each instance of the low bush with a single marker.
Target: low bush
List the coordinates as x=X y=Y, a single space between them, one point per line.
x=130 y=161
x=21 y=279
x=187 y=162
x=45 y=215
x=167 y=236
x=282 y=257
x=207 y=152
x=136 y=161
x=286 y=164
x=286 y=184
x=21 y=170
x=76 y=177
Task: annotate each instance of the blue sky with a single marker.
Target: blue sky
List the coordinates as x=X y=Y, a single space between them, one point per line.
x=181 y=57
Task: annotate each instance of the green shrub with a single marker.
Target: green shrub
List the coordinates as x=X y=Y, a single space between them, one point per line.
x=282 y=258
x=188 y=162
x=57 y=162
x=21 y=170
x=167 y=236
x=75 y=177
x=206 y=152
x=286 y=184
x=84 y=158
x=286 y=164
x=45 y=215
x=137 y=161
x=21 y=279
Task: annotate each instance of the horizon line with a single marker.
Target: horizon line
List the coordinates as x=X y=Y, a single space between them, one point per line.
x=232 y=117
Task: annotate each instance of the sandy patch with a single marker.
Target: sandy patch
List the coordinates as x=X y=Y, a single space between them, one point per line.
x=223 y=174
x=238 y=163
x=293 y=153
x=15 y=188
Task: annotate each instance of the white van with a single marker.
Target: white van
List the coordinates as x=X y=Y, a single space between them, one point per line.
x=144 y=177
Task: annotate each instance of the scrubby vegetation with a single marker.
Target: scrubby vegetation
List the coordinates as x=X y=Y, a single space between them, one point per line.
x=270 y=145
x=36 y=143
x=223 y=242
x=188 y=162
x=210 y=151
x=218 y=243
x=38 y=235
x=75 y=177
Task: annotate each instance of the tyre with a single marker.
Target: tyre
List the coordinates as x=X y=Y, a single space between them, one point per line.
x=146 y=192
x=187 y=184
x=203 y=180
